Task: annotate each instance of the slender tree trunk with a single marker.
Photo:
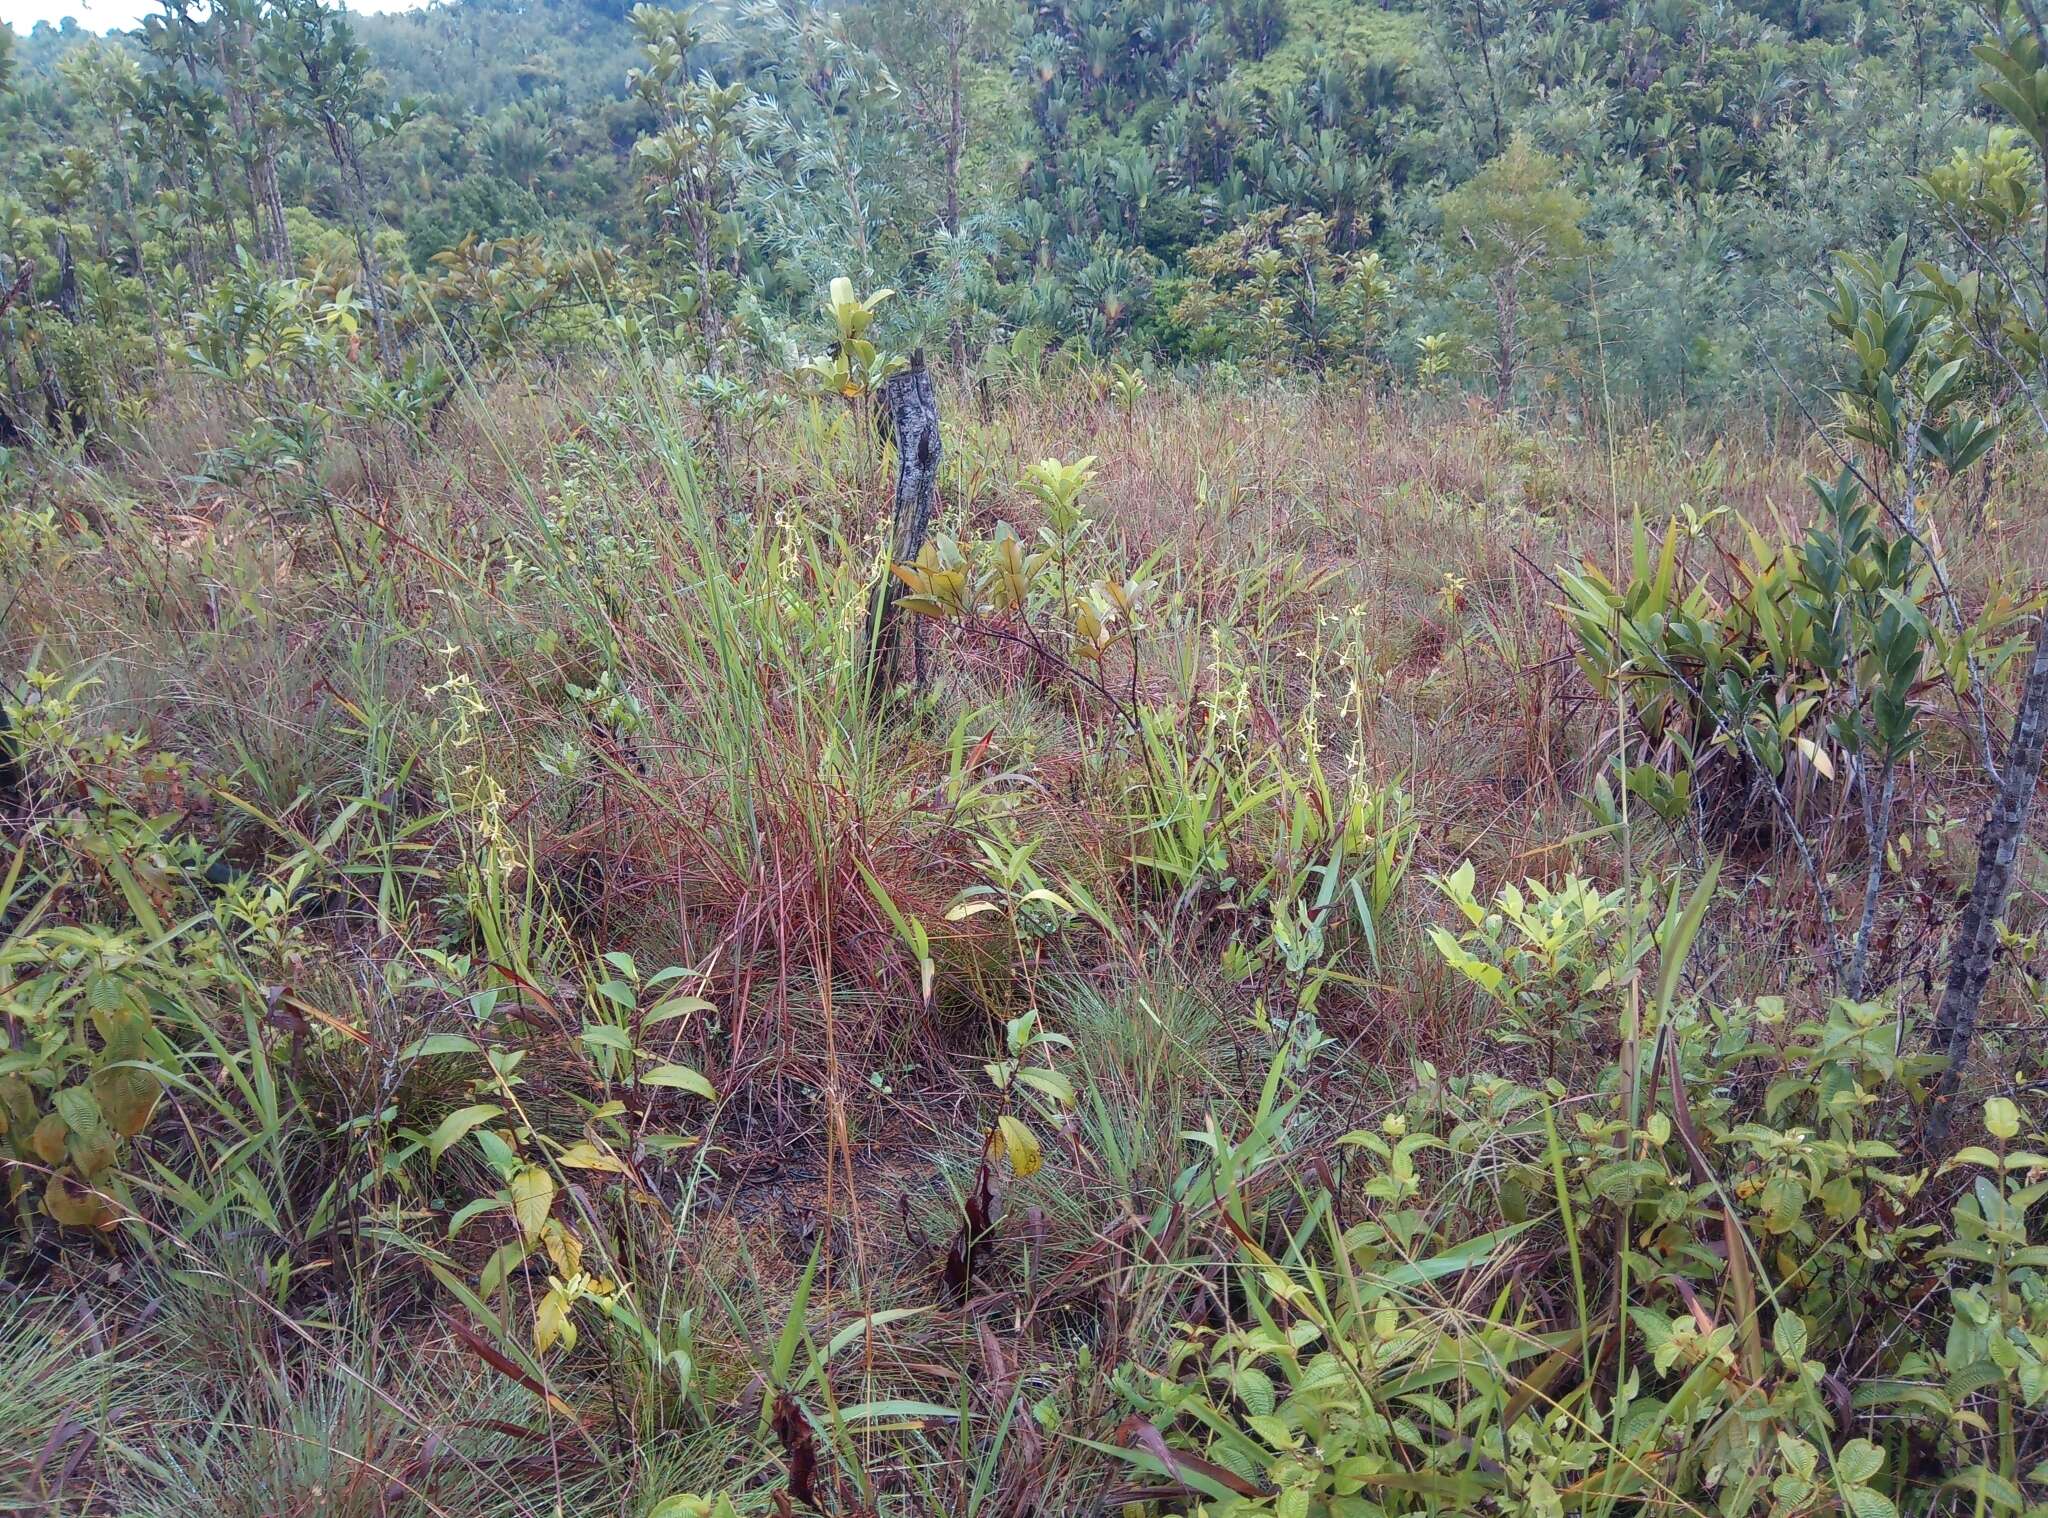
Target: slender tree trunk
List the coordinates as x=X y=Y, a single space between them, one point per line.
x=67 y=281
x=257 y=144
x=124 y=199
x=238 y=120
x=701 y=213
x=1998 y=847
x=956 y=128
x=707 y=307
x=342 y=142
x=956 y=143
x=15 y=287
x=231 y=237
x=209 y=157
x=1507 y=324
x=1998 y=842
x=280 y=234
x=1880 y=819
x=1492 y=89
x=61 y=412
x=195 y=234
x=857 y=212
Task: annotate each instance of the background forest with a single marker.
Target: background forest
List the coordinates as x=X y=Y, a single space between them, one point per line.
x=1511 y=197
x=1175 y=758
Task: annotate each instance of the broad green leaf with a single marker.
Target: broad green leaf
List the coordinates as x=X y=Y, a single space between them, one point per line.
x=440 y=1043
x=1858 y=1460
x=677 y=1006
x=1050 y=1082
x=452 y=1127
x=1788 y=1337
x=680 y=1078
x=1865 y=1502
x=505 y=1259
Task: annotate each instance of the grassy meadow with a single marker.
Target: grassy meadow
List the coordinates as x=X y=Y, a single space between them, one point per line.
x=562 y=1040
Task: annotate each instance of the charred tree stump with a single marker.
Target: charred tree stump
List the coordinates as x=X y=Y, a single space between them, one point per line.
x=1975 y=943
x=912 y=407
x=14 y=430
x=63 y=412
x=67 y=281
x=13 y=783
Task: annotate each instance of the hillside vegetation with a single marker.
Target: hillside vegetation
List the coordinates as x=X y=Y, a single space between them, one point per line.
x=1257 y=758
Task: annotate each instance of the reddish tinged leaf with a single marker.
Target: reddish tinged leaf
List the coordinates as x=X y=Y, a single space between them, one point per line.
x=977 y=1221
x=504 y=1367
x=1136 y=1433
x=799 y=1448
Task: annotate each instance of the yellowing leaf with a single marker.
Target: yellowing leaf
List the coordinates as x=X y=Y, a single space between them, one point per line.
x=1816 y=756
x=127 y=1096
x=1020 y=1145
x=690 y=1505
x=587 y=1156
x=565 y=1250
x=92 y=1154
x=75 y=1207
x=551 y=1322
x=533 y=1193
x=48 y=1139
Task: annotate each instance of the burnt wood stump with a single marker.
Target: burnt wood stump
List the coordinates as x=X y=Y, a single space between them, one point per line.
x=912 y=407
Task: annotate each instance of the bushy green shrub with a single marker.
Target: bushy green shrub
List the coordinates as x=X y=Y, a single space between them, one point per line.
x=1724 y=1280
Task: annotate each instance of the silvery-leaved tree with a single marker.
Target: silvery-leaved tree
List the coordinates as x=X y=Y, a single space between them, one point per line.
x=1995 y=208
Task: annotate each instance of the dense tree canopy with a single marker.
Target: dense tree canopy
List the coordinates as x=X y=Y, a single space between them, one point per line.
x=1655 y=180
